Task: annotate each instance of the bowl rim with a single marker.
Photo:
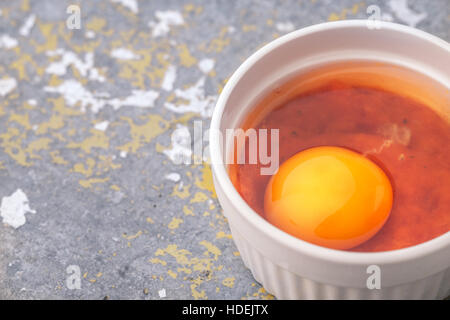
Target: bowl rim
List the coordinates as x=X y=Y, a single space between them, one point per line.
x=252 y=217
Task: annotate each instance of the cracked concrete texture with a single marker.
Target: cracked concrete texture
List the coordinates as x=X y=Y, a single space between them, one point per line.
x=102 y=199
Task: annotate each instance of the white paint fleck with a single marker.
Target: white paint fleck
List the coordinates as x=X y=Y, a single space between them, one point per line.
x=138 y=98
x=173 y=176
x=166 y=19
x=68 y=58
x=90 y=34
x=101 y=126
x=123 y=154
x=7 y=85
x=117 y=197
x=405 y=14
x=169 y=78
x=206 y=65
x=95 y=75
x=387 y=17
x=14 y=208
x=32 y=102
x=124 y=54
x=180 y=151
x=162 y=293
x=285 y=26
x=198 y=101
x=74 y=92
x=7 y=42
x=132 y=5
x=27 y=26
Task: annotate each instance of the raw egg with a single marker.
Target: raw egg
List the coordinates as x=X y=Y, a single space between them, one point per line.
x=329 y=196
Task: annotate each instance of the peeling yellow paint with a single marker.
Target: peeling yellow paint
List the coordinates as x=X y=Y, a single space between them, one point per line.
x=221 y=235
x=262 y=294
x=157 y=260
x=181 y=255
x=186 y=59
x=175 y=223
x=11 y=142
x=228 y=282
x=185 y=259
x=133 y=236
x=211 y=249
x=206 y=181
x=21 y=119
x=55 y=122
x=172 y=274
x=137 y=71
x=219 y=43
x=97 y=139
x=181 y=191
x=197 y=294
x=248 y=27
x=199 y=197
x=49 y=34
x=25 y=5
x=85 y=170
x=88 y=183
x=143 y=134
x=188 y=211
x=189 y=7
x=185 y=270
x=115 y=187
x=37 y=145
x=342 y=15
x=96 y=24
x=59 y=106
x=24 y=62
x=105 y=164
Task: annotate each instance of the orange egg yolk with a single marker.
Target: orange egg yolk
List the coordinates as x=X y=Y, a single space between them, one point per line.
x=329 y=196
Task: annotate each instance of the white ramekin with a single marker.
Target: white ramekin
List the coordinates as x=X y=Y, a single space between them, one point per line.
x=291 y=268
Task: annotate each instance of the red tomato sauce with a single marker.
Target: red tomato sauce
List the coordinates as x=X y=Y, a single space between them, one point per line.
x=405 y=137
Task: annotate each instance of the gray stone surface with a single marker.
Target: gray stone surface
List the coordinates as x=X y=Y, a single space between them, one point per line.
x=129 y=230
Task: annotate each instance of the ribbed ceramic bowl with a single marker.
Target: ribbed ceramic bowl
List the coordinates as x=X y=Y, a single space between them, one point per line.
x=291 y=268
